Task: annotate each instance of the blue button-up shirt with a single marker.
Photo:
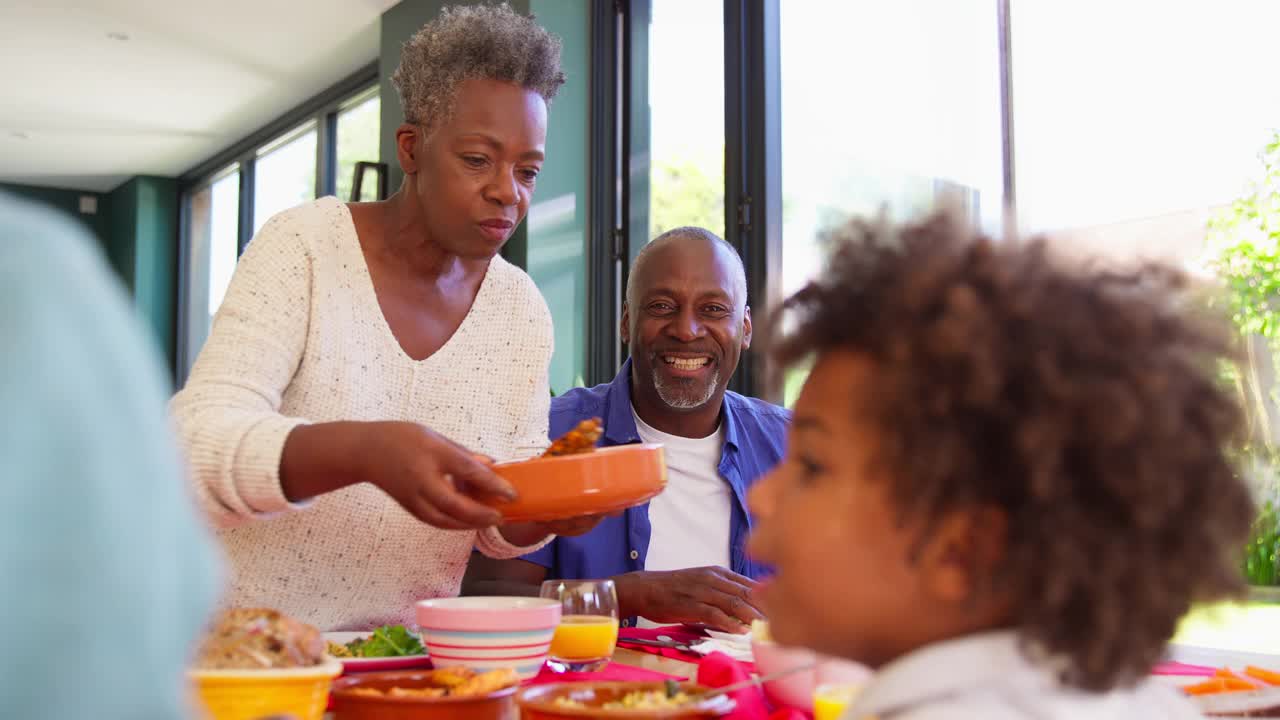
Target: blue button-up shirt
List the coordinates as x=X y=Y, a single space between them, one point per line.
x=754 y=437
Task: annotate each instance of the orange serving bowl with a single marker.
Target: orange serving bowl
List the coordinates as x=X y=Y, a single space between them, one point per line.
x=348 y=705
x=539 y=702
x=605 y=480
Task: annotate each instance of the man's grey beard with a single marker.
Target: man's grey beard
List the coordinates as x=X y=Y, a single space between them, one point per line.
x=673 y=396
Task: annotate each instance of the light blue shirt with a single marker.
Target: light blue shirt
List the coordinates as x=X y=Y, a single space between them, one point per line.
x=106 y=572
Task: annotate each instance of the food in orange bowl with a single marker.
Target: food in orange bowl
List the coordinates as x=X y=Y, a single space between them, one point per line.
x=590 y=483
x=445 y=694
x=255 y=663
x=648 y=700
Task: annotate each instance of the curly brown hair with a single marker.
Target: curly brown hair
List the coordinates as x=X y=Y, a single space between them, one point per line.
x=1081 y=402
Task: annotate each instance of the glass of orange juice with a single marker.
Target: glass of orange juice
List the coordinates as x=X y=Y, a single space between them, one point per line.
x=830 y=701
x=588 y=629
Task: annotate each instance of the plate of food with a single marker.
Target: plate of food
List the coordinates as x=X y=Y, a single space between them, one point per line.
x=574 y=478
x=1251 y=691
x=390 y=647
x=651 y=700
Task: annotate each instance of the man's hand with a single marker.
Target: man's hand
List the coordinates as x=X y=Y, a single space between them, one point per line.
x=713 y=596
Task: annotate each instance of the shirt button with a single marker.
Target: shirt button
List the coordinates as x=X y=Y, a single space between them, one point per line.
x=635 y=555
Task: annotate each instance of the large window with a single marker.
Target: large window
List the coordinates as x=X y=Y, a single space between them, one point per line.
x=358 y=137
x=910 y=120
x=285 y=174
x=212 y=244
x=686 y=117
x=1125 y=150
x=310 y=151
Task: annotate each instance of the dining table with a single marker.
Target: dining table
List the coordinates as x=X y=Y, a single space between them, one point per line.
x=644 y=661
x=657 y=663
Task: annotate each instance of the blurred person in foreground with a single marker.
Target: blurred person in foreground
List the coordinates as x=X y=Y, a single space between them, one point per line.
x=1007 y=478
x=107 y=573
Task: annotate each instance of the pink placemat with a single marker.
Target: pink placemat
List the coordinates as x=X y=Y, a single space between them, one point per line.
x=1177 y=668
x=719 y=670
x=679 y=633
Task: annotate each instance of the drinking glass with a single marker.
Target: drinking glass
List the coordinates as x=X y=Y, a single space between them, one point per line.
x=588 y=630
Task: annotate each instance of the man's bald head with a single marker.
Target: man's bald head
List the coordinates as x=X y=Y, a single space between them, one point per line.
x=685 y=235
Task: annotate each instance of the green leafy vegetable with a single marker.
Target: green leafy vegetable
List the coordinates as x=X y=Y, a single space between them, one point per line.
x=673 y=688
x=387 y=641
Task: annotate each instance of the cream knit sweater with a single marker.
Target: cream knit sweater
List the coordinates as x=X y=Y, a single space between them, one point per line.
x=300 y=338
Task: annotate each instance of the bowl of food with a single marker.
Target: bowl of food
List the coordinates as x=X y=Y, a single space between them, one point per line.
x=255 y=663
x=489 y=633
x=575 y=478
x=444 y=694
x=649 y=700
x=797 y=689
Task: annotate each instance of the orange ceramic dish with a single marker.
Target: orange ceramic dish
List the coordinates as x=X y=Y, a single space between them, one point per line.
x=540 y=702
x=348 y=704
x=602 y=481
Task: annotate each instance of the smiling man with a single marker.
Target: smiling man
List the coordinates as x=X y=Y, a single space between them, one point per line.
x=680 y=557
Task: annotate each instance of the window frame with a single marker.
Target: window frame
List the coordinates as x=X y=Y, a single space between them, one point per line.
x=322 y=110
x=753 y=166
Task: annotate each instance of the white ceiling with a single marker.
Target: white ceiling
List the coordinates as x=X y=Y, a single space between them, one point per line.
x=84 y=110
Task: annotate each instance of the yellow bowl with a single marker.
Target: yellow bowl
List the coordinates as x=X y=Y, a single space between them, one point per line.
x=253 y=694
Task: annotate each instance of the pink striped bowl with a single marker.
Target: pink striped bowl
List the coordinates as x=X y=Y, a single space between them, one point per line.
x=486 y=633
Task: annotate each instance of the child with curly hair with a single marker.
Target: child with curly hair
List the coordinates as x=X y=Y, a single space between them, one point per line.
x=1006 y=480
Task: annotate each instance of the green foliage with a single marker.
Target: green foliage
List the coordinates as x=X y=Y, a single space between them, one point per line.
x=1260 y=566
x=1244 y=252
x=686 y=192
x=1245 y=241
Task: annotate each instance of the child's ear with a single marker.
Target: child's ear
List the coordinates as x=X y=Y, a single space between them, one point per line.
x=964 y=553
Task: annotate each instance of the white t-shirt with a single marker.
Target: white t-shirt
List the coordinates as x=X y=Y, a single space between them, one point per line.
x=988 y=677
x=690 y=519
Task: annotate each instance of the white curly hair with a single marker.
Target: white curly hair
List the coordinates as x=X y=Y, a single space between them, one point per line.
x=468 y=42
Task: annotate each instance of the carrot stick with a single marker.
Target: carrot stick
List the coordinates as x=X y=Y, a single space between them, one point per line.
x=1266 y=676
x=1230 y=674
x=1238 y=684
x=1208 y=687
x=1234 y=681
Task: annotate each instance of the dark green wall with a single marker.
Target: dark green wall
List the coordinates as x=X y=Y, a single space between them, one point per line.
x=68 y=201
x=142 y=242
x=137 y=228
x=121 y=220
x=555 y=255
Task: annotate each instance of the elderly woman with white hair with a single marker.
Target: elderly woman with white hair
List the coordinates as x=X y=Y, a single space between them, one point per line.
x=368 y=357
